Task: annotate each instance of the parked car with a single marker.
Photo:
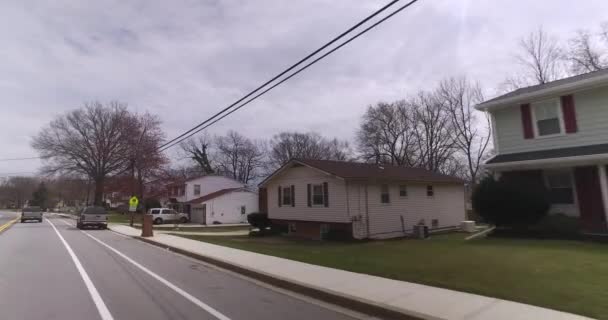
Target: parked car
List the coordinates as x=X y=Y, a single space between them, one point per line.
x=31 y=213
x=162 y=215
x=92 y=217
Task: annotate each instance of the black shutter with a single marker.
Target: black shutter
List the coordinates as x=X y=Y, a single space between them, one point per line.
x=308 y=194
x=280 y=196
x=293 y=195
x=325 y=194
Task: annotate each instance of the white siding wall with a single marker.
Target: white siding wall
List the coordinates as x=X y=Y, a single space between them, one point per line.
x=208 y=185
x=591 y=114
x=447 y=205
x=227 y=208
x=300 y=177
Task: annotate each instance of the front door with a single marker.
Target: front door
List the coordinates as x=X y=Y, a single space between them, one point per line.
x=591 y=206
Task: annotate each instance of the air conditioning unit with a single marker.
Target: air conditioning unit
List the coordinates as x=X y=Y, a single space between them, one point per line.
x=468 y=226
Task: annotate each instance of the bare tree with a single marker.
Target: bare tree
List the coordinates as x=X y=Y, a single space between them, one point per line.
x=287 y=145
x=93 y=141
x=386 y=134
x=471 y=137
x=16 y=191
x=541 y=59
x=238 y=157
x=146 y=139
x=197 y=149
x=585 y=53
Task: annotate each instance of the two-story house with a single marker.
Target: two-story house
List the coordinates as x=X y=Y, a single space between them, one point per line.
x=557 y=134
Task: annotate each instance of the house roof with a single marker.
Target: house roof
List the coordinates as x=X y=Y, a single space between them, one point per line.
x=550 y=154
x=181 y=182
x=214 y=195
x=366 y=171
x=570 y=84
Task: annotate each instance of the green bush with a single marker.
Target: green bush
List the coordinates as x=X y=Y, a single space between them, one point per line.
x=512 y=203
x=259 y=220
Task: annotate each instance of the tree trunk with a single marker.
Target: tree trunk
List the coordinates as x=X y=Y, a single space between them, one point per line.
x=99 y=182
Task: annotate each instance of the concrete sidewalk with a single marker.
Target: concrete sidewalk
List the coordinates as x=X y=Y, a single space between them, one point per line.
x=348 y=288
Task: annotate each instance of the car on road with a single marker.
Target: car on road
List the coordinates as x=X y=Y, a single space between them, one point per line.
x=162 y=215
x=31 y=213
x=92 y=217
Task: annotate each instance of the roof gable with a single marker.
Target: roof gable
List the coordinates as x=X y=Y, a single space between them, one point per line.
x=217 y=194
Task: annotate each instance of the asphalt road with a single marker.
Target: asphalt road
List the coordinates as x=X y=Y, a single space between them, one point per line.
x=6 y=216
x=51 y=270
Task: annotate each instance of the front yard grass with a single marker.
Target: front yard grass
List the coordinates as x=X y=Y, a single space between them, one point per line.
x=570 y=276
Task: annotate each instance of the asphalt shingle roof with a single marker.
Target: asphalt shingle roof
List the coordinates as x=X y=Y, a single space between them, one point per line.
x=550 y=154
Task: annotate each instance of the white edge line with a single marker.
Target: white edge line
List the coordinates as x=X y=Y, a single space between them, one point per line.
x=101 y=306
x=173 y=287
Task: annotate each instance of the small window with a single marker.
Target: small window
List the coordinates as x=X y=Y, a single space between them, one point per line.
x=287 y=196
x=403 y=191
x=243 y=209
x=430 y=192
x=197 y=189
x=435 y=223
x=317 y=194
x=384 y=194
x=559 y=183
x=547 y=116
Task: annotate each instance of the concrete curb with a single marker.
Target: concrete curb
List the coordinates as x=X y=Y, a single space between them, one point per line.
x=7 y=225
x=368 y=308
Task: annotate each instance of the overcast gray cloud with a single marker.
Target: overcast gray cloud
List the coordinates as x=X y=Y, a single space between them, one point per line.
x=184 y=60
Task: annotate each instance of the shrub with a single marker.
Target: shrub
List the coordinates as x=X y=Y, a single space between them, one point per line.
x=259 y=220
x=560 y=226
x=510 y=203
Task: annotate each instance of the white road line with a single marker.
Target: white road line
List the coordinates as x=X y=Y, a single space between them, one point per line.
x=175 y=288
x=101 y=306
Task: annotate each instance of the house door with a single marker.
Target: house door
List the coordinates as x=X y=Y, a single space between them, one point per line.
x=590 y=201
x=204 y=214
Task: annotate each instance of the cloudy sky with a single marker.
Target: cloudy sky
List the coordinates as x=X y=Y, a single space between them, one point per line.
x=186 y=59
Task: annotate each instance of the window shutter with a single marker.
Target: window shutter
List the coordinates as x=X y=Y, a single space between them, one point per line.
x=325 y=194
x=293 y=196
x=569 y=113
x=280 y=196
x=526 y=121
x=308 y=192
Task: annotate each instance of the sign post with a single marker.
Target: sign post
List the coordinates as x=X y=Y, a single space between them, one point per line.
x=133 y=202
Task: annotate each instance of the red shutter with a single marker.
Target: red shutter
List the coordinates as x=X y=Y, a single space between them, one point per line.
x=526 y=121
x=569 y=113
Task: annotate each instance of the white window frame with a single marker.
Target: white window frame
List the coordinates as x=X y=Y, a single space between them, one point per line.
x=197 y=186
x=312 y=195
x=388 y=192
x=283 y=196
x=405 y=187
x=560 y=117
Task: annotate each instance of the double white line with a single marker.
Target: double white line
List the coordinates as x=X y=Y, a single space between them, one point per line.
x=101 y=307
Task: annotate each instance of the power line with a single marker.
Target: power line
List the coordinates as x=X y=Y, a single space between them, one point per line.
x=194 y=130
x=18 y=159
x=285 y=71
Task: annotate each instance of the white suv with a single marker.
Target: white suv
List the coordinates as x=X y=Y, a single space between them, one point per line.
x=162 y=215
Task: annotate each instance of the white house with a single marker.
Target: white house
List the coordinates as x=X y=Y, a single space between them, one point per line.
x=226 y=206
x=316 y=197
x=556 y=134
x=180 y=193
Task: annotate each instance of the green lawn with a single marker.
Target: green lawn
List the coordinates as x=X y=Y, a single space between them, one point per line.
x=169 y=227
x=122 y=218
x=564 y=275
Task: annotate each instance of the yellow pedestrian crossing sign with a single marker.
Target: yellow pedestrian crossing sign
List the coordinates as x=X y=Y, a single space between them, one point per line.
x=133 y=202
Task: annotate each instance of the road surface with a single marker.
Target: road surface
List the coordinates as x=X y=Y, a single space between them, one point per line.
x=6 y=216
x=51 y=270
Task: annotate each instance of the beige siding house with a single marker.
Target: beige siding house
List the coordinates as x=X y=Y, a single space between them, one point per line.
x=556 y=134
x=314 y=198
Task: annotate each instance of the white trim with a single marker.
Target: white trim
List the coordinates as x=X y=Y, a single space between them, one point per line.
x=494 y=132
x=563 y=161
x=603 y=187
x=560 y=118
x=556 y=90
x=312 y=195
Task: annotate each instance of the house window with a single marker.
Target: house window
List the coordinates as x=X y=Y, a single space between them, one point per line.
x=430 y=191
x=435 y=223
x=197 y=189
x=182 y=191
x=547 y=117
x=384 y=194
x=403 y=191
x=243 y=209
x=287 y=196
x=317 y=194
x=292 y=228
x=559 y=183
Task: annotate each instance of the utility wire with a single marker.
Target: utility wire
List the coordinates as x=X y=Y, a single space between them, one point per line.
x=18 y=159
x=284 y=72
x=194 y=130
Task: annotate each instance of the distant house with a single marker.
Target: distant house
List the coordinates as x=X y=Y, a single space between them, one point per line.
x=226 y=206
x=556 y=134
x=314 y=198
x=180 y=193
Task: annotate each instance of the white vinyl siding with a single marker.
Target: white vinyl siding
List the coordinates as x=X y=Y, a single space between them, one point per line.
x=591 y=107
x=208 y=184
x=227 y=208
x=300 y=177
